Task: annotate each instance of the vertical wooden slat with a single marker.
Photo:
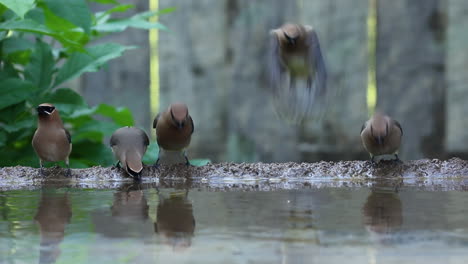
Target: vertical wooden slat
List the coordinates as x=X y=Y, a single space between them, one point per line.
x=457 y=77
x=411 y=72
x=193 y=69
x=342 y=28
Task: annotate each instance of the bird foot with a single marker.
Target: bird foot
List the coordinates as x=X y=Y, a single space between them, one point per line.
x=68 y=174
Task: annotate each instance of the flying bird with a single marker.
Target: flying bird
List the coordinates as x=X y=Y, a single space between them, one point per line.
x=51 y=141
x=129 y=145
x=381 y=135
x=295 y=55
x=174 y=129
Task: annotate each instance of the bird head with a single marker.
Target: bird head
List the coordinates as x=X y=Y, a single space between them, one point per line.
x=379 y=128
x=179 y=114
x=45 y=109
x=291 y=33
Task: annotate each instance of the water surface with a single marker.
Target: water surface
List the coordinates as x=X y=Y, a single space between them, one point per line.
x=143 y=224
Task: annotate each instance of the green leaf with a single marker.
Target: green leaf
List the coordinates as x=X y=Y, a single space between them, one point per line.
x=8 y=71
x=151 y=154
x=121 y=25
x=14 y=91
x=137 y=21
x=17 y=126
x=95 y=57
x=41 y=66
x=14 y=44
x=75 y=11
x=94 y=130
x=199 y=162
x=55 y=22
x=105 y=1
x=20 y=7
x=122 y=115
x=29 y=25
x=66 y=100
x=3 y=139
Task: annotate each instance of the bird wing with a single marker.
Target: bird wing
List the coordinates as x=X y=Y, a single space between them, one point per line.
x=274 y=62
x=191 y=122
x=155 y=121
x=363 y=127
x=316 y=61
x=113 y=140
x=68 y=135
x=399 y=126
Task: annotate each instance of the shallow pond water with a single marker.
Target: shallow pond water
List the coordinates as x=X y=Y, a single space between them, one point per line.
x=145 y=224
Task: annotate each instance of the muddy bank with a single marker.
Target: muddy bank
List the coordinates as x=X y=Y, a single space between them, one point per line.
x=427 y=173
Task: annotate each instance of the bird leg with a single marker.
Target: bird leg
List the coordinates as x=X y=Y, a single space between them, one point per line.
x=373 y=160
x=41 y=170
x=187 y=162
x=397 y=159
x=156 y=164
x=117 y=164
x=68 y=174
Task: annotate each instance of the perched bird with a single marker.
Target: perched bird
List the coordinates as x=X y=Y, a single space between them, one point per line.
x=129 y=144
x=174 y=129
x=381 y=135
x=295 y=52
x=51 y=141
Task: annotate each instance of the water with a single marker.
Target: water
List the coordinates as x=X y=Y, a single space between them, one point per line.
x=142 y=224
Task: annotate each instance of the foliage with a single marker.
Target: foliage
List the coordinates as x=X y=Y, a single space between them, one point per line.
x=44 y=44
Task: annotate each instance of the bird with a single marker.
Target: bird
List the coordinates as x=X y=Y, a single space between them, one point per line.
x=129 y=145
x=295 y=52
x=175 y=220
x=381 y=135
x=174 y=129
x=51 y=141
x=53 y=215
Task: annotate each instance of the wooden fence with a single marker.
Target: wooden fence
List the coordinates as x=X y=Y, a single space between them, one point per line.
x=214 y=59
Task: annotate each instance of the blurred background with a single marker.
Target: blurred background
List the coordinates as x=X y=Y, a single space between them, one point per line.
x=407 y=57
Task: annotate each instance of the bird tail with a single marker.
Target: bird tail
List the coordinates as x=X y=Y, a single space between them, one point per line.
x=134 y=164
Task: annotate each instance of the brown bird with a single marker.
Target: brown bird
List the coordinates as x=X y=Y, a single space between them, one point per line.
x=175 y=220
x=129 y=145
x=53 y=215
x=381 y=135
x=51 y=141
x=174 y=129
x=295 y=49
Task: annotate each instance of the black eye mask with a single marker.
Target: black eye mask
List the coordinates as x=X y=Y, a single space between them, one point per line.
x=45 y=110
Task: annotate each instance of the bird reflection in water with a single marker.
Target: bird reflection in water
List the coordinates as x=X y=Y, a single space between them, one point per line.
x=175 y=221
x=382 y=212
x=53 y=214
x=129 y=214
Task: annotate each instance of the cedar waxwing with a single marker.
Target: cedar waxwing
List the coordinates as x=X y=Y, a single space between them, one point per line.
x=175 y=220
x=51 y=141
x=53 y=215
x=129 y=144
x=128 y=215
x=383 y=211
x=381 y=135
x=174 y=129
x=295 y=52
